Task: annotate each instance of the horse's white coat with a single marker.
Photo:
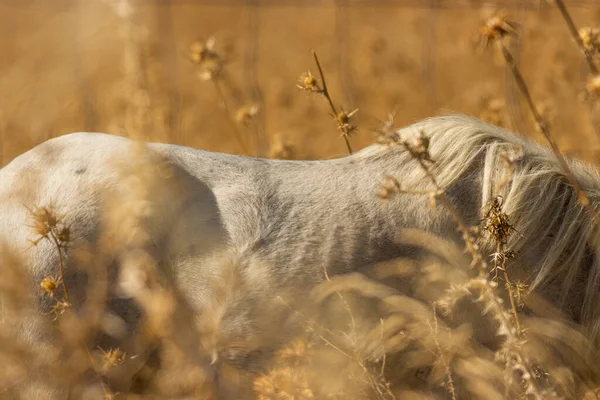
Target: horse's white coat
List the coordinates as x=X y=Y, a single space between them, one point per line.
x=284 y=221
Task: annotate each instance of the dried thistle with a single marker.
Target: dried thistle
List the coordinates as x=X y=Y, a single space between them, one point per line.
x=281 y=149
x=203 y=54
x=63 y=235
x=309 y=83
x=590 y=37
x=49 y=285
x=386 y=135
x=419 y=147
x=496 y=222
x=245 y=114
x=211 y=67
x=519 y=291
x=493 y=305
x=48 y=225
x=344 y=123
x=497 y=225
x=503 y=256
x=201 y=51
x=541 y=125
x=577 y=36
x=59 y=309
x=494 y=29
x=45 y=220
x=111 y=358
x=592 y=87
x=389 y=188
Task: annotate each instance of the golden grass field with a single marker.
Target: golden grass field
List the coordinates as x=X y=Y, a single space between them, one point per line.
x=138 y=69
x=62 y=70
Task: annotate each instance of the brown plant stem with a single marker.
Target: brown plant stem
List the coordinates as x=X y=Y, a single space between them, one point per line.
x=61 y=265
x=449 y=380
x=59 y=248
x=509 y=287
x=325 y=93
x=479 y=262
x=573 y=30
x=545 y=130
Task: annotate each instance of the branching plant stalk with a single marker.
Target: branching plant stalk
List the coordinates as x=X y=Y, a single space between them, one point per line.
x=346 y=306
x=445 y=363
x=582 y=47
x=356 y=355
x=498 y=307
x=573 y=30
x=495 y=303
x=61 y=266
x=509 y=286
x=59 y=249
x=325 y=92
x=544 y=129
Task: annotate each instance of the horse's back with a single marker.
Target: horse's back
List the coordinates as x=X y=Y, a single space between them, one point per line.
x=65 y=174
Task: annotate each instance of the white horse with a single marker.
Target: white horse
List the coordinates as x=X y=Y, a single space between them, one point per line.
x=283 y=222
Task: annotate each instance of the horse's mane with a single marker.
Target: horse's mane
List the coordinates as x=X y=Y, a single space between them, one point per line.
x=557 y=237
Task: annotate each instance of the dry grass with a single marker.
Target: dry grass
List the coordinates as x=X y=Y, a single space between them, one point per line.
x=64 y=65
x=448 y=325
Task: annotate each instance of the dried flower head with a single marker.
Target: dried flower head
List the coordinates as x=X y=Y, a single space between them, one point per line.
x=280 y=148
x=592 y=87
x=519 y=291
x=389 y=188
x=388 y=138
x=203 y=54
x=308 y=82
x=112 y=358
x=59 y=308
x=49 y=285
x=344 y=123
x=495 y=28
x=503 y=256
x=422 y=145
x=47 y=224
x=201 y=51
x=45 y=220
x=386 y=135
x=245 y=114
x=590 y=37
x=496 y=222
x=418 y=147
x=63 y=235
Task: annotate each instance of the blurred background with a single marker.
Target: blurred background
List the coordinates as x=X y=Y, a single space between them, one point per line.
x=128 y=68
